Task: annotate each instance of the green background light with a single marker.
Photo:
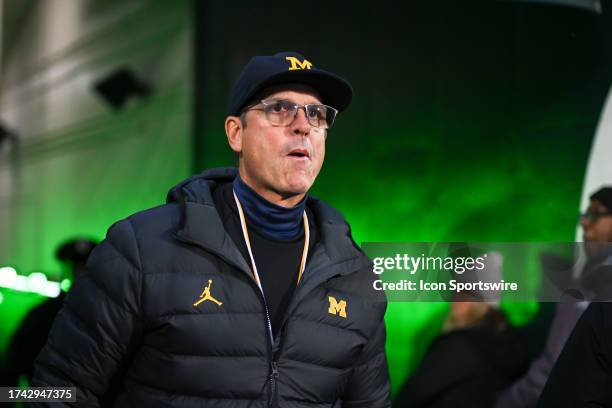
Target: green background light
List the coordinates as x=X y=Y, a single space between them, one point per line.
x=65 y=285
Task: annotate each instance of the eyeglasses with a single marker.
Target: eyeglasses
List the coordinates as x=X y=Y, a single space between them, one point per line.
x=592 y=217
x=282 y=112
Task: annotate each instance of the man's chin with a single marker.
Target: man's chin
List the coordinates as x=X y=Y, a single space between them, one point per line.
x=292 y=192
x=298 y=186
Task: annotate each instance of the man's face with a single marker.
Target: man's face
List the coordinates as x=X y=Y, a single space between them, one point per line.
x=280 y=161
x=597 y=232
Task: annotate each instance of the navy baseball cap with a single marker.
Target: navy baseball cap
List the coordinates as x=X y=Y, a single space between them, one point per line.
x=287 y=68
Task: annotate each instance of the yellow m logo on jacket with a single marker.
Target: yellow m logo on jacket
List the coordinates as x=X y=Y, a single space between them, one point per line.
x=337 y=308
x=297 y=64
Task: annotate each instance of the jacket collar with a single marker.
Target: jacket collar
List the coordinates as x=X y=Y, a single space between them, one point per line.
x=201 y=224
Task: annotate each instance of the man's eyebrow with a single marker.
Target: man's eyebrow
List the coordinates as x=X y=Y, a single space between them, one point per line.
x=278 y=98
x=286 y=98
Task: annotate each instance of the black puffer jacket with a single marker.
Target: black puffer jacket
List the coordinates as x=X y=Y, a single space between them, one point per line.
x=130 y=335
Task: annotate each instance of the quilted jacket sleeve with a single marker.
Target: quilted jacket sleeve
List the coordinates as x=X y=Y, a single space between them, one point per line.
x=368 y=386
x=92 y=334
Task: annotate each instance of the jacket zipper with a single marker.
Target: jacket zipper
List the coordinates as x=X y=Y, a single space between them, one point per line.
x=273 y=380
x=274 y=373
x=273 y=362
x=268 y=320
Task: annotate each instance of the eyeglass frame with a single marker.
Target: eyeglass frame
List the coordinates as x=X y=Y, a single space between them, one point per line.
x=265 y=102
x=592 y=217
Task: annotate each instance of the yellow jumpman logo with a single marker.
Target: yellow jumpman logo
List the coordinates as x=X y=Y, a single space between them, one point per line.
x=207 y=296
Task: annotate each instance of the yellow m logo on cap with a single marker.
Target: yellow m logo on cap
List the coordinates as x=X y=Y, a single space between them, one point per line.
x=337 y=308
x=297 y=64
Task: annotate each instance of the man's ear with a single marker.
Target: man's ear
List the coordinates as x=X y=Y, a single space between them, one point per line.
x=233 y=131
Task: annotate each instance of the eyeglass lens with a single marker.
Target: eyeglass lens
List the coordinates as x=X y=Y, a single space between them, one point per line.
x=282 y=112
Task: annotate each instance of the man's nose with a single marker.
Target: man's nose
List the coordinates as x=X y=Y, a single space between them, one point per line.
x=300 y=123
x=585 y=223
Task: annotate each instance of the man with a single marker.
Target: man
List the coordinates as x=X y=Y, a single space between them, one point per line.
x=241 y=291
x=594 y=285
x=582 y=376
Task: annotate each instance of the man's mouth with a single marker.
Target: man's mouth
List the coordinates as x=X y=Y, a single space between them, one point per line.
x=299 y=153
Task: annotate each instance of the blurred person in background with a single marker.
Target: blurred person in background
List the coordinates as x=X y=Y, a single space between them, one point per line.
x=32 y=333
x=594 y=284
x=477 y=355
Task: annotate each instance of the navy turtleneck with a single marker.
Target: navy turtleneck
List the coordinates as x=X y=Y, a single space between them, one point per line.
x=272 y=220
